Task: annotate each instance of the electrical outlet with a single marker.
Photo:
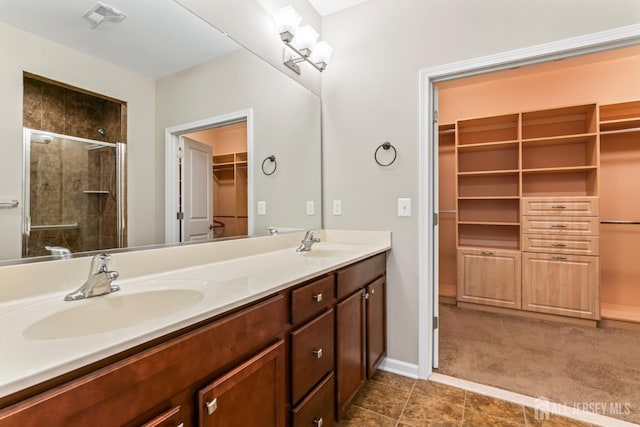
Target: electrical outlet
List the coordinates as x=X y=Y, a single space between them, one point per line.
x=404 y=207
x=310 y=207
x=262 y=207
x=337 y=207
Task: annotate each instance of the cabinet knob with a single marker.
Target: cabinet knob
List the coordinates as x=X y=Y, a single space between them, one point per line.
x=317 y=422
x=317 y=353
x=365 y=295
x=373 y=291
x=211 y=406
x=317 y=297
x=559 y=258
x=487 y=253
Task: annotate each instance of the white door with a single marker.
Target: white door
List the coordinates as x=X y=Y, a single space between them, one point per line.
x=197 y=184
x=436 y=208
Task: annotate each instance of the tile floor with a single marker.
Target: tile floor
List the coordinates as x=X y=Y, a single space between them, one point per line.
x=390 y=400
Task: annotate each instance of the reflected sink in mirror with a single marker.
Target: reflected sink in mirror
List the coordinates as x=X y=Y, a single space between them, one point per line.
x=111 y=312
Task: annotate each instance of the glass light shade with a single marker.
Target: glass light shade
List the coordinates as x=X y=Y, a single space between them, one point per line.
x=321 y=53
x=287 y=20
x=305 y=38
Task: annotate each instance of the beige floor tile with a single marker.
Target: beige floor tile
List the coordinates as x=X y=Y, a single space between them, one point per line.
x=553 y=421
x=360 y=417
x=382 y=398
x=495 y=407
x=474 y=419
x=431 y=410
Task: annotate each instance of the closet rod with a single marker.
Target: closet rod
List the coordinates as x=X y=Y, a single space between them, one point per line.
x=444 y=132
x=448 y=211
x=620 y=222
x=611 y=132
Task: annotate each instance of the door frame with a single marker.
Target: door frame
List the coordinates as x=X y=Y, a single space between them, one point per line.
x=172 y=158
x=428 y=154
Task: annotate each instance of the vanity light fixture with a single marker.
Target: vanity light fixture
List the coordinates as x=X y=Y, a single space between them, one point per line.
x=302 y=41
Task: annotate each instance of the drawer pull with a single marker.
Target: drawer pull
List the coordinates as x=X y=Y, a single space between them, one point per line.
x=558 y=245
x=487 y=253
x=317 y=353
x=317 y=422
x=558 y=207
x=559 y=258
x=180 y=425
x=317 y=297
x=558 y=226
x=212 y=406
x=373 y=291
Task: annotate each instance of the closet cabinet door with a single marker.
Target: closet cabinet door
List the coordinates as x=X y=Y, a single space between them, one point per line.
x=561 y=284
x=489 y=277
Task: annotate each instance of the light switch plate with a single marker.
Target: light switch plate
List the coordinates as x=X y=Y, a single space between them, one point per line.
x=337 y=207
x=262 y=207
x=404 y=207
x=310 y=207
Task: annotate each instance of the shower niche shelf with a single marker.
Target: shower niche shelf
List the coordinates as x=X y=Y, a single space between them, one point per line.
x=96 y=191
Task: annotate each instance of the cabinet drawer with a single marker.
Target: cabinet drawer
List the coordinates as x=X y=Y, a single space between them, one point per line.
x=311 y=299
x=170 y=418
x=586 y=245
x=489 y=277
x=311 y=354
x=354 y=277
x=569 y=226
x=579 y=206
x=317 y=409
x=567 y=285
x=117 y=394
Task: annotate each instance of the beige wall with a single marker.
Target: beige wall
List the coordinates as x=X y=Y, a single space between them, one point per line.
x=286 y=123
x=22 y=51
x=370 y=94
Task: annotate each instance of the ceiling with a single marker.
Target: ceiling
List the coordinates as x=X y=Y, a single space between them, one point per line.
x=326 y=7
x=157 y=38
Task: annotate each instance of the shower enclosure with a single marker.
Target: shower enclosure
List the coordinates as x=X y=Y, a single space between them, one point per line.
x=74 y=194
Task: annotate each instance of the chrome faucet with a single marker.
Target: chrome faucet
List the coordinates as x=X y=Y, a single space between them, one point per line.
x=99 y=280
x=59 y=252
x=305 y=245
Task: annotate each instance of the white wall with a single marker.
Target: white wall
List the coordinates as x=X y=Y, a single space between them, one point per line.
x=250 y=23
x=22 y=51
x=370 y=95
x=286 y=123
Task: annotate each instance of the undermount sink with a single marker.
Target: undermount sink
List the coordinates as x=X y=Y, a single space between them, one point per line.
x=321 y=253
x=111 y=312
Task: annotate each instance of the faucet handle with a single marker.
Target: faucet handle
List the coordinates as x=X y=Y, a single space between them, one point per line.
x=100 y=263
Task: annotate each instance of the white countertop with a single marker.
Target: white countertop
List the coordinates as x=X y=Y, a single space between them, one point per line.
x=44 y=336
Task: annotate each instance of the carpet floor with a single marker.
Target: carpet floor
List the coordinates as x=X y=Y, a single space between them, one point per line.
x=584 y=368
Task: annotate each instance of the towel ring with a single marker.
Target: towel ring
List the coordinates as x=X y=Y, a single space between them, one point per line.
x=385 y=146
x=272 y=158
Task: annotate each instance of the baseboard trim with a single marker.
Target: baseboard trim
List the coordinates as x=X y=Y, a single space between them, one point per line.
x=399 y=367
x=532 y=402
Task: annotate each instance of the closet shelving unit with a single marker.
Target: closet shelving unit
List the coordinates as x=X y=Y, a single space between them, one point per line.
x=620 y=211
x=230 y=193
x=447 y=213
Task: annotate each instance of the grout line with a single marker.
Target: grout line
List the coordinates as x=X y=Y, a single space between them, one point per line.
x=406 y=402
x=374 y=412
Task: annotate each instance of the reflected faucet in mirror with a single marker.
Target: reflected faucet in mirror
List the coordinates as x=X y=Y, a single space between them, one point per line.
x=99 y=280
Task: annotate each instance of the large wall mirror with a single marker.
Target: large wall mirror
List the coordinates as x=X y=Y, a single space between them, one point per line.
x=181 y=84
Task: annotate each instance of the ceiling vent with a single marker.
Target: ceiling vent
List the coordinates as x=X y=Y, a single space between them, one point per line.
x=101 y=12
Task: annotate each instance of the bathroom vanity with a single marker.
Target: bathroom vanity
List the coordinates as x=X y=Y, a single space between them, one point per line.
x=277 y=338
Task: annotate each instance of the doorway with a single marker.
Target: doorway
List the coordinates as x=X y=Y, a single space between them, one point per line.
x=209 y=184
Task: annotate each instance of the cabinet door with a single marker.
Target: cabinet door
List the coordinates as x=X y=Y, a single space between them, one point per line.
x=490 y=277
x=350 y=349
x=561 y=284
x=253 y=394
x=376 y=325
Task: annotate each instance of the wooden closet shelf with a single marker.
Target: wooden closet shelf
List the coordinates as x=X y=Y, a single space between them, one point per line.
x=490 y=173
x=560 y=170
x=558 y=140
x=489 y=198
x=629 y=313
x=517 y=224
x=621 y=124
x=495 y=145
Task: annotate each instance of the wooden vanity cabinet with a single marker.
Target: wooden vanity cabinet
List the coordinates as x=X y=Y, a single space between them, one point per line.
x=360 y=327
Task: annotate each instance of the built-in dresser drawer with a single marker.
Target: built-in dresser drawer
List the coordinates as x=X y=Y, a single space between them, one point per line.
x=582 y=206
x=311 y=299
x=579 y=245
x=317 y=409
x=312 y=354
x=570 y=226
x=356 y=276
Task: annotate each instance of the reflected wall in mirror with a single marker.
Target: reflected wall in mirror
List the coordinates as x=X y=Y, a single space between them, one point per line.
x=166 y=78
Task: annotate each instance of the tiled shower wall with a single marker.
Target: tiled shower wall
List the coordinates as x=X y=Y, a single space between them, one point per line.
x=65 y=175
